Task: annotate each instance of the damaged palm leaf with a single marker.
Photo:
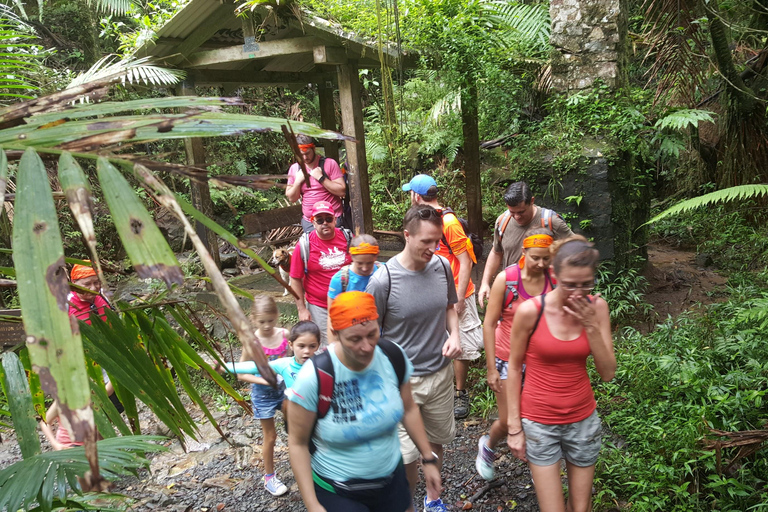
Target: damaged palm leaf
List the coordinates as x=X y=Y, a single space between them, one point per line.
x=78 y=192
x=16 y=389
x=251 y=345
x=148 y=250
x=55 y=347
x=3 y=175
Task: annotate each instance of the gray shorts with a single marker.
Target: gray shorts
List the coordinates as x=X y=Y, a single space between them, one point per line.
x=503 y=368
x=579 y=442
x=320 y=317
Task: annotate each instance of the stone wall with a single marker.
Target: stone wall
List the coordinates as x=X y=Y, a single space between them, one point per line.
x=589 y=38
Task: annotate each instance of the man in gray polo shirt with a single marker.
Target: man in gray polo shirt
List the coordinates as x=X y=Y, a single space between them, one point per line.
x=415 y=295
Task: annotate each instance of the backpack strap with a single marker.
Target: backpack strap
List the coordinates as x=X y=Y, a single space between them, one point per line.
x=546 y=218
x=503 y=221
x=304 y=251
x=444 y=240
x=386 y=303
x=325 y=376
x=344 y=278
x=538 y=318
x=512 y=281
x=448 y=275
x=396 y=357
x=321 y=164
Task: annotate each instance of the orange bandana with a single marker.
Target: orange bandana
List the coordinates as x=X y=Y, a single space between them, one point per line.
x=81 y=272
x=543 y=241
x=352 y=308
x=364 y=248
x=537 y=241
x=306 y=147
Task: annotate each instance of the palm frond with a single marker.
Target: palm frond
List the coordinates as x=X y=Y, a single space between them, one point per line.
x=23 y=58
x=128 y=70
x=52 y=475
x=449 y=103
x=527 y=22
x=112 y=6
x=720 y=196
x=376 y=151
x=686 y=118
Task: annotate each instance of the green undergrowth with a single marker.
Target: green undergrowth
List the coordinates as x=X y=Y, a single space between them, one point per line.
x=734 y=235
x=702 y=370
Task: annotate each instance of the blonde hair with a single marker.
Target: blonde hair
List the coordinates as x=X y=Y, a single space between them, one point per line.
x=574 y=251
x=264 y=305
x=363 y=238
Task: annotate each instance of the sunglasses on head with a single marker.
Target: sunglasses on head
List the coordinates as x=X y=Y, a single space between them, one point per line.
x=428 y=213
x=324 y=219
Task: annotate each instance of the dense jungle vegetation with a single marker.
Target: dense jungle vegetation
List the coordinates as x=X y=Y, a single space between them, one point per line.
x=689 y=119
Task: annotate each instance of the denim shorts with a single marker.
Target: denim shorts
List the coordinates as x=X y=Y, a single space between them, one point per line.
x=266 y=400
x=503 y=368
x=579 y=442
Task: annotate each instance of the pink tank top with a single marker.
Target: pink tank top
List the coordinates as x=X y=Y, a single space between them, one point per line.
x=504 y=327
x=557 y=390
x=62 y=436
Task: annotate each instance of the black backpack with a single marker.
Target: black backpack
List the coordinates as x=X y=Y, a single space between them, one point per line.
x=477 y=241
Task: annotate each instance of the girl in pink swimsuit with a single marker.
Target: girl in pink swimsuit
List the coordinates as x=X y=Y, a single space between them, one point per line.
x=266 y=400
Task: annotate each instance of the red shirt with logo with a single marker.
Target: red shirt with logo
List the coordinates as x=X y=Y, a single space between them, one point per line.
x=326 y=257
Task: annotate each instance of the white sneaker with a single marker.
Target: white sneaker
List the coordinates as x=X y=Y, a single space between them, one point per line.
x=485 y=459
x=275 y=486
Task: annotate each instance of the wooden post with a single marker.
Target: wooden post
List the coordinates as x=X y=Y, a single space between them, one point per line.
x=328 y=117
x=472 y=157
x=199 y=192
x=352 y=124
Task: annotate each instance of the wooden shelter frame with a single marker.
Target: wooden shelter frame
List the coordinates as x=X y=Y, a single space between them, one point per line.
x=217 y=47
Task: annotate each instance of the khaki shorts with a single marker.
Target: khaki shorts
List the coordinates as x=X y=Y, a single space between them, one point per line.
x=434 y=395
x=470 y=331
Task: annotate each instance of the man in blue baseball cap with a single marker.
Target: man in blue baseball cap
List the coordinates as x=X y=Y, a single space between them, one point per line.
x=457 y=248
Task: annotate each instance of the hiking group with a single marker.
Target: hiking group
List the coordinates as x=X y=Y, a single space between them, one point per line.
x=379 y=398
x=374 y=374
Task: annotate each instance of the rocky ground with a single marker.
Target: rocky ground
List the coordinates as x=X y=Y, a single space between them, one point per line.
x=218 y=475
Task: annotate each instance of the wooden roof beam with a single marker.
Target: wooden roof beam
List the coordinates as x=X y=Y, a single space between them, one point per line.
x=205 y=31
x=329 y=55
x=255 y=78
x=260 y=50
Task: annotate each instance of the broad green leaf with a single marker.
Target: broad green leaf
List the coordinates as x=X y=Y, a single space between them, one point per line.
x=20 y=402
x=87 y=134
x=55 y=347
x=104 y=410
x=38 y=396
x=22 y=483
x=3 y=175
x=78 y=191
x=146 y=247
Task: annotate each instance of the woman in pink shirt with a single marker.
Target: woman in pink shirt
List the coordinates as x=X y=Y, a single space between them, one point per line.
x=554 y=415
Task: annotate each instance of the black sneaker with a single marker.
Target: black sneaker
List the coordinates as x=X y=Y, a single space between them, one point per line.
x=461 y=404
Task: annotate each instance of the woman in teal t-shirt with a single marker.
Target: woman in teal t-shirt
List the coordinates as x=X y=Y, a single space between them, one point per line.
x=356 y=465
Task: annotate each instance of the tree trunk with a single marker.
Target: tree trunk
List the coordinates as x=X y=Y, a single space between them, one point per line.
x=472 y=157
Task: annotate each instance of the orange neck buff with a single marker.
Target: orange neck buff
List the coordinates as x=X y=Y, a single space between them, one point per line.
x=364 y=248
x=81 y=272
x=306 y=147
x=352 y=308
x=542 y=241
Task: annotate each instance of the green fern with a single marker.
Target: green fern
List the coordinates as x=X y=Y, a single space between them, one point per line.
x=720 y=196
x=523 y=21
x=682 y=119
x=37 y=479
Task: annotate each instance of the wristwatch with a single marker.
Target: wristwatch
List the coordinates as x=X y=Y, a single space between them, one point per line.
x=433 y=460
x=322 y=178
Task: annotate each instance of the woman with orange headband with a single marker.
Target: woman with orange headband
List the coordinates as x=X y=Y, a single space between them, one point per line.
x=515 y=284
x=356 y=464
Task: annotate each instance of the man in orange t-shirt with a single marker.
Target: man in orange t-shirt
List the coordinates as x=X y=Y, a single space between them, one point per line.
x=457 y=249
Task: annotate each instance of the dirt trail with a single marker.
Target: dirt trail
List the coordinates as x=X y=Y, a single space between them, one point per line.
x=677 y=282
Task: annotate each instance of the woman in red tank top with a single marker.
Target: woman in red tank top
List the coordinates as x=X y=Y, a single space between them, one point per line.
x=554 y=416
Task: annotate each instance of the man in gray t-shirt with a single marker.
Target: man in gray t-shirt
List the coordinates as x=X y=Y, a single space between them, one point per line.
x=415 y=296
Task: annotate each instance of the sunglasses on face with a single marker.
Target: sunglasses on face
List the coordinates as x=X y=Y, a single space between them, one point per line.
x=324 y=219
x=572 y=287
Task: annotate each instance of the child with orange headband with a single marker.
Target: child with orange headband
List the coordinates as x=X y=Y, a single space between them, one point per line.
x=364 y=250
x=514 y=285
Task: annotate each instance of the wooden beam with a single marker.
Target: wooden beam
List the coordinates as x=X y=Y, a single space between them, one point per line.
x=472 y=158
x=352 y=124
x=261 y=50
x=328 y=117
x=206 y=30
x=329 y=55
x=252 y=78
x=271 y=219
x=199 y=192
